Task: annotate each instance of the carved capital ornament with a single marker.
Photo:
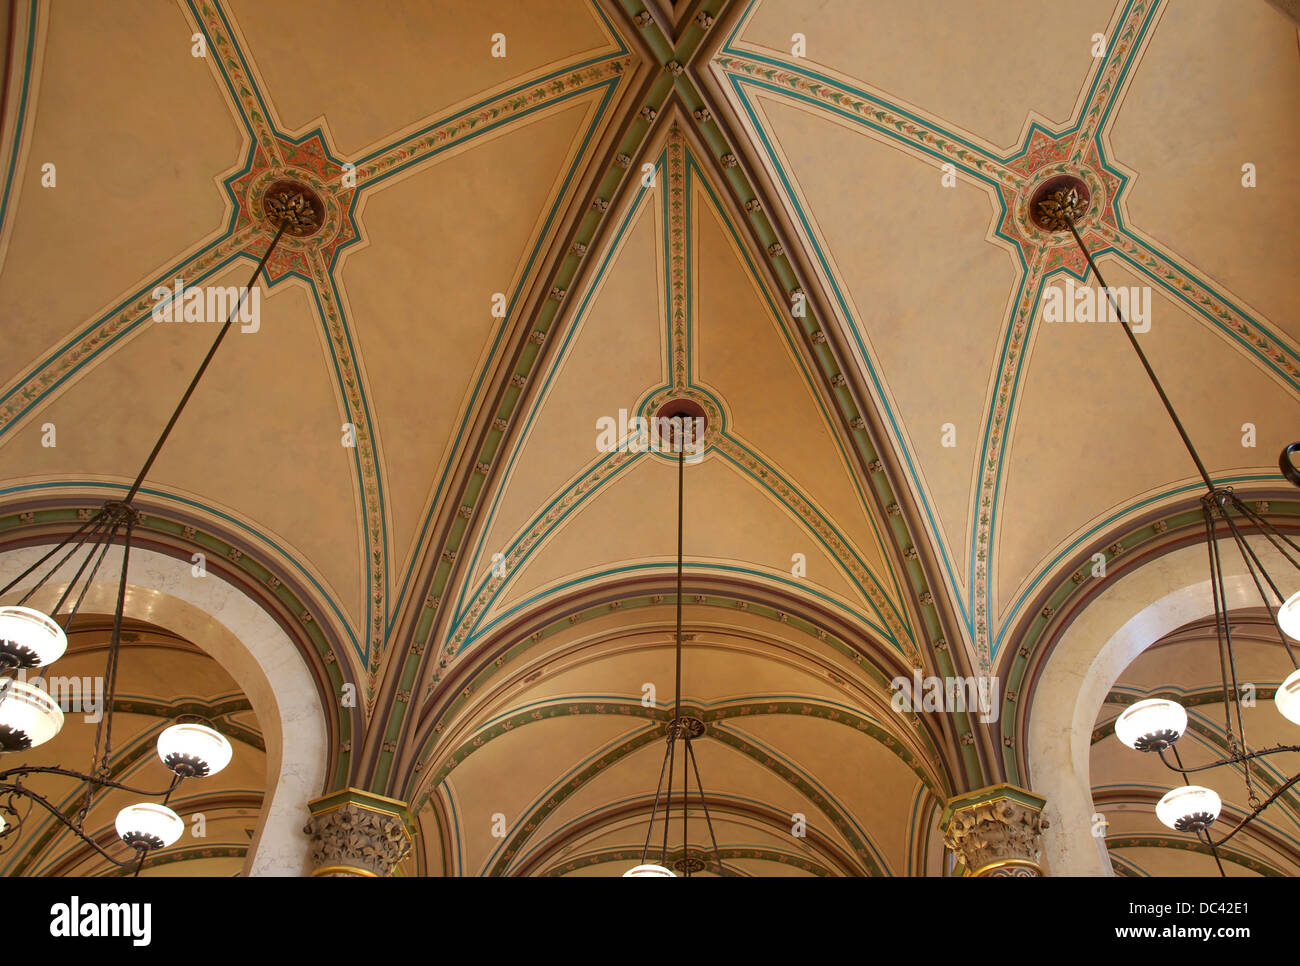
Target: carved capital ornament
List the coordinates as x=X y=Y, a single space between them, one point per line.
x=995 y=831
x=356 y=833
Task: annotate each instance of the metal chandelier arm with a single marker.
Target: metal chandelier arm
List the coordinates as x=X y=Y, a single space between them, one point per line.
x=106 y=514
x=1260 y=808
x=9 y=774
x=63 y=819
x=101 y=531
x=203 y=366
x=1198 y=809
x=111 y=515
x=1164 y=399
x=66 y=540
x=1214 y=851
x=1231 y=760
x=690 y=753
x=678 y=728
x=100 y=521
x=655 y=810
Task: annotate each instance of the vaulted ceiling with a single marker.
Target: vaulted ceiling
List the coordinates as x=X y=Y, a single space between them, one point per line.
x=808 y=217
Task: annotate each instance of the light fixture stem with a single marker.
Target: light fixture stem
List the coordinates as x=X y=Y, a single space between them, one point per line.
x=1169 y=408
x=1178 y=758
x=99 y=760
x=668 y=805
x=1232 y=659
x=677 y=701
x=85 y=588
x=686 y=813
x=681 y=472
x=203 y=367
x=1252 y=561
x=655 y=809
x=177 y=777
x=1266 y=803
x=1213 y=851
x=115 y=644
x=703 y=802
x=72 y=584
x=49 y=806
x=50 y=553
x=1221 y=626
x=1230 y=760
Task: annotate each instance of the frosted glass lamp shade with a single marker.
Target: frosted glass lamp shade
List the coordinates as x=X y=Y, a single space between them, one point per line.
x=1152 y=724
x=29 y=638
x=194 y=750
x=1287 y=697
x=653 y=871
x=28 y=717
x=149 y=826
x=1189 y=808
x=1288 y=616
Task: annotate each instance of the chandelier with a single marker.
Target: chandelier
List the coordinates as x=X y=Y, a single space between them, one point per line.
x=682 y=423
x=1155 y=724
x=31 y=639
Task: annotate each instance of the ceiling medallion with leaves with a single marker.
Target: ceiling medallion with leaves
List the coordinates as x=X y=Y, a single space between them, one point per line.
x=297 y=205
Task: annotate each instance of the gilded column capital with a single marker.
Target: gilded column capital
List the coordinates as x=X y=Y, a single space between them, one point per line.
x=995 y=830
x=354 y=832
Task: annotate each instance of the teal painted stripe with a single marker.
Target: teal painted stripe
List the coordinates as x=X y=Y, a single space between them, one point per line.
x=1050 y=567
x=243 y=61
x=913 y=827
x=990 y=563
x=889 y=132
x=692 y=170
x=479 y=105
x=963 y=609
x=556 y=362
x=729 y=48
x=866 y=98
x=669 y=568
x=130 y=327
x=667 y=705
x=517 y=89
x=22 y=111
x=1124 y=70
x=618 y=471
x=237 y=524
x=552 y=790
x=614 y=35
x=491 y=126
x=758 y=481
x=836 y=804
x=496 y=342
x=1281 y=342
x=449 y=800
x=356 y=453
